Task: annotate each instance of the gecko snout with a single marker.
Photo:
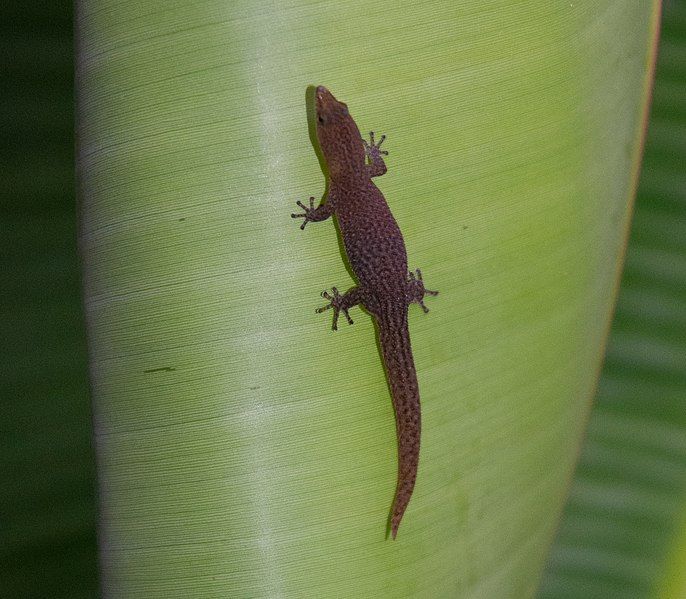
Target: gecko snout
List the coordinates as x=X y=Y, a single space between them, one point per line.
x=324 y=97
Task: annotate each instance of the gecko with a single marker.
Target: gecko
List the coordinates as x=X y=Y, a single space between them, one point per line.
x=376 y=252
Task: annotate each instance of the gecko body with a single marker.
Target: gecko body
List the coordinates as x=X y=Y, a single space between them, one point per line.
x=376 y=251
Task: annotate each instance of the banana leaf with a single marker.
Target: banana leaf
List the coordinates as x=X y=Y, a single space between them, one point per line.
x=243 y=448
x=623 y=532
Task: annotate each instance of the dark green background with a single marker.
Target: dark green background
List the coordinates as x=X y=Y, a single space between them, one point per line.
x=47 y=482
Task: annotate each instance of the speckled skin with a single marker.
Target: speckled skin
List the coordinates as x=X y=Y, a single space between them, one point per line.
x=377 y=255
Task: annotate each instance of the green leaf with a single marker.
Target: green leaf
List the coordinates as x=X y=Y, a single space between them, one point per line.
x=246 y=450
x=622 y=534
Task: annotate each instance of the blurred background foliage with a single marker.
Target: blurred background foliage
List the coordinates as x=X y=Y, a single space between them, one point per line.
x=623 y=529
x=47 y=481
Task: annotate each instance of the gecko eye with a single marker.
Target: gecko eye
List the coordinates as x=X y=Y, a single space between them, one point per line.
x=321 y=119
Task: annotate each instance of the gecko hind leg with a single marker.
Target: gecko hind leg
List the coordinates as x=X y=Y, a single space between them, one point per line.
x=340 y=303
x=416 y=290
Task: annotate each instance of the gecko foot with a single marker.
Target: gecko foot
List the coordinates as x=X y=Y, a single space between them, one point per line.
x=339 y=303
x=371 y=148
x=416 y=290
x=308 y=215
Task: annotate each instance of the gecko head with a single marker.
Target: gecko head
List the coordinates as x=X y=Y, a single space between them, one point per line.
x=329 y=110
x=339 y=137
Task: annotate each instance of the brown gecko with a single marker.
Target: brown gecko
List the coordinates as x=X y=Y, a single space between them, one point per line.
x=377 y=255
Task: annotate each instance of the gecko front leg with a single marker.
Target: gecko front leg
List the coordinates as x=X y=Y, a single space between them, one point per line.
x=312 y=214
x=377 y=166
x=341 y=303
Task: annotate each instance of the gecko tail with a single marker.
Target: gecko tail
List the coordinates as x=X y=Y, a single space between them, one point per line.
x=407 y=475
x=394 y=338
